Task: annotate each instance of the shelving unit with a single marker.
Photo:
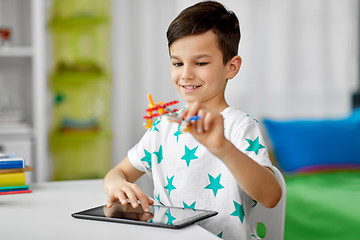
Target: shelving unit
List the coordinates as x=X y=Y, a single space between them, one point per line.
x=80 y=84
x=23 y=124
x=16 y=52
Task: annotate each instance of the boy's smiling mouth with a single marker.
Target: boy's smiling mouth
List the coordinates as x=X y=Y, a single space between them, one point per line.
x=190 y=87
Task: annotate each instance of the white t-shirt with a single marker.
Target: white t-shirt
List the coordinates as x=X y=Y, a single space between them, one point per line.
x=186 y=174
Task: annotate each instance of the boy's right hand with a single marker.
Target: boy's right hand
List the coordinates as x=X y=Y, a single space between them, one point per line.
x=124 y=192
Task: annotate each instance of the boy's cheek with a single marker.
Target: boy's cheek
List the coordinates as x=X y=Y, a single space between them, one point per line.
x=174 y=81
x=174 y=77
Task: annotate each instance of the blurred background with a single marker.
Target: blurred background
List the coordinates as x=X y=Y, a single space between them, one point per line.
x=74 y=75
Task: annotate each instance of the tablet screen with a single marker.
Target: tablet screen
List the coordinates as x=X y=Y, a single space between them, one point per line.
x=161 y=216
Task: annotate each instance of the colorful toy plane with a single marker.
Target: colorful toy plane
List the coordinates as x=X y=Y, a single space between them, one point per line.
x=161 y=108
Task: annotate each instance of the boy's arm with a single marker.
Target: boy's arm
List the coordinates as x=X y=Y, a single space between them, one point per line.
x=257 y=181
x=118 y=185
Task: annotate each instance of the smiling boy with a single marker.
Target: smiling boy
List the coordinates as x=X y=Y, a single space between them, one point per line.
x=222 y=163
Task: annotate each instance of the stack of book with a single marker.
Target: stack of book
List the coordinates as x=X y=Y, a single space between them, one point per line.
x=12 y=174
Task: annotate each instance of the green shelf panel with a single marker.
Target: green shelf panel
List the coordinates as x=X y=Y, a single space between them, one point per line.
x=81 y=102
x=78 y=77
x=81 y=155
x=63 y=9
x=81 y=47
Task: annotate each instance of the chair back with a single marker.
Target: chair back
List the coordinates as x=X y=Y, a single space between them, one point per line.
x=269 y=223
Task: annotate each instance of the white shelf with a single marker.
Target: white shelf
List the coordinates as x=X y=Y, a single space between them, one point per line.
x=23 y=72
x=16 y=51
x=15 y=129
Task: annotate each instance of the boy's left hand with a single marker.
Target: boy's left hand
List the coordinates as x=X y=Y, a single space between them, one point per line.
x=208 y=129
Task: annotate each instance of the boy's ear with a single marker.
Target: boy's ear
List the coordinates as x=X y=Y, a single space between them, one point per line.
x=234 y=66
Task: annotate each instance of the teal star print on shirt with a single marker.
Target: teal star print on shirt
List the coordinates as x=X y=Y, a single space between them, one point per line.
x=189 y=155
x=192 y=206
x=170 y=217
x=239 y=211
x=252 y=118
x=177 y=134
x=153 y=127
x=214 y=184
x=170 y=185
x=147 y=158
x=159 y=155
x=255 y=146
x=158 y=198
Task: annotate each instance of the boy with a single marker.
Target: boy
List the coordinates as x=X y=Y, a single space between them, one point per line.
x=221 y=163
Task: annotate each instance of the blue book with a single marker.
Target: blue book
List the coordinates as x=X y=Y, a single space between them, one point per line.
x=14 y=188
x=8 y=161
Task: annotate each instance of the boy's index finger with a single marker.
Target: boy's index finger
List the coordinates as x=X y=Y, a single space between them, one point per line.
x=193 y=110
x=110 y=201
x=183 y=114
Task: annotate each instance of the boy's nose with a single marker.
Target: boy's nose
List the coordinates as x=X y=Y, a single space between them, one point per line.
x=187 y=73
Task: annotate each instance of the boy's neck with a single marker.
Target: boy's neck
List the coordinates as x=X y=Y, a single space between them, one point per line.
x=222 y=107
x=217 y=106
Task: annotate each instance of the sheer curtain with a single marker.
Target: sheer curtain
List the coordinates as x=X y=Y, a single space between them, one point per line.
x=299 y=60
x=140 y=62
x=299 y=57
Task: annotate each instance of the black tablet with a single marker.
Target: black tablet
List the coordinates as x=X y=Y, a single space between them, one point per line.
x=159 y=216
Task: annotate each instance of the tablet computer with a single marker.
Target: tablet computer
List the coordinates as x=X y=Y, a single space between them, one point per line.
x=159 y=216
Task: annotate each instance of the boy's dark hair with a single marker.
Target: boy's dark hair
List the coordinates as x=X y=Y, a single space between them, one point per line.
x=205 y=16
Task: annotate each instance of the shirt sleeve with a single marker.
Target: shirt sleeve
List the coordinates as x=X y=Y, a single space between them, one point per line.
x=249 y=139
x=140 y=156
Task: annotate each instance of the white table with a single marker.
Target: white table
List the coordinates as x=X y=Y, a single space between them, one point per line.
x=46 y=214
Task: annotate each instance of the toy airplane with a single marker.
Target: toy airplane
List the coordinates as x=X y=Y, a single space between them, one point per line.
x=160 y=109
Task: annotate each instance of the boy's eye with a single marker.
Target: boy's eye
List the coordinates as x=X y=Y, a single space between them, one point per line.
x=202 y=64
x=177 y=64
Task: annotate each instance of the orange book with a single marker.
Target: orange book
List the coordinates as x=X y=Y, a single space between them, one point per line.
x=12 y=179
x=13 y=170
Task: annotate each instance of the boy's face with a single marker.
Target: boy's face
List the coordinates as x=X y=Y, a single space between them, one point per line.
x=198 y=71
